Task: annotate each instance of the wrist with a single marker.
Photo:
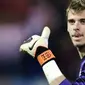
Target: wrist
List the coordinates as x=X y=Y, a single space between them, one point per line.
x=45 y=57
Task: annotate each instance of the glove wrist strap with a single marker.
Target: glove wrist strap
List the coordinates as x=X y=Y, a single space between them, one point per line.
x=45 y=57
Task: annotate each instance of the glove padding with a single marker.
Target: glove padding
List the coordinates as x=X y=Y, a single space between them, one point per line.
x=31 y=45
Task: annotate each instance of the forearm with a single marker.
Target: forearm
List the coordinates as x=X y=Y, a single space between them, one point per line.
x=50 y=67
x=53 y=73
x=58 y=80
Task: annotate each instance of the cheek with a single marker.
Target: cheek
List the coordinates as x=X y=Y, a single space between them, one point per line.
x=83 y=29
x=69 y=28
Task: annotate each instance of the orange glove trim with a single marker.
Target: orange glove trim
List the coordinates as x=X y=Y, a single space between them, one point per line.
x=45 y=56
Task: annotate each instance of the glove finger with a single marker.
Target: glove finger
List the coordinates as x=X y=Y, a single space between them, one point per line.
x=29 y=43
x=46 y=32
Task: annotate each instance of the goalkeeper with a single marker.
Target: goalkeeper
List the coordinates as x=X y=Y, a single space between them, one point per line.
x=37 y=46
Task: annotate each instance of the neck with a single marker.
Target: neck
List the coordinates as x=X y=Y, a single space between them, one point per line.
x=81 y=50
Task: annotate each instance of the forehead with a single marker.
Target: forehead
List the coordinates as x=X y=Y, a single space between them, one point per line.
x=78 y=15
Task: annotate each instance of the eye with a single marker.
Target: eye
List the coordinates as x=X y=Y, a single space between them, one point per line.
x=71 y=21
x=82 y=21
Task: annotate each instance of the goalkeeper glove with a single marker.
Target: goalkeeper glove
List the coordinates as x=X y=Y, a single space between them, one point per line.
x=31 y=45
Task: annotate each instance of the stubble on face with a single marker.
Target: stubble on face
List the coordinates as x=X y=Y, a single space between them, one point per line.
x=77 y=34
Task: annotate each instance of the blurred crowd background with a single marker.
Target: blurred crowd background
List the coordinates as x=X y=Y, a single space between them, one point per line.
x=19 y=20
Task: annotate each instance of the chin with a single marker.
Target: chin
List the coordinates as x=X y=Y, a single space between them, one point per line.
x=79 y=44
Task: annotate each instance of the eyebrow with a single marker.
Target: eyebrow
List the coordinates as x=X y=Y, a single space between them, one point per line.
x=74 y=19
x=70 y=19
x=82 y=19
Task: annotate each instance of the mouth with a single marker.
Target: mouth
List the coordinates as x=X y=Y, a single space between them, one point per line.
x=77 y=36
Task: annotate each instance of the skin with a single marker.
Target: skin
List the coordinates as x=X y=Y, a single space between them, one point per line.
x=76 y=29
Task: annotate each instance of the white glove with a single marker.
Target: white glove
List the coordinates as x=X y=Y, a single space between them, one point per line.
x=31 y=45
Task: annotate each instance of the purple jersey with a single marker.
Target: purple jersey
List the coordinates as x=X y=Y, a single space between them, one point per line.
x=81 y=79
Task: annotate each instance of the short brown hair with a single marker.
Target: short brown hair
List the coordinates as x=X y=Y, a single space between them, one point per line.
x=76 y=5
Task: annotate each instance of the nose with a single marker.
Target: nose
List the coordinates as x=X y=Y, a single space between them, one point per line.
x=76 y=26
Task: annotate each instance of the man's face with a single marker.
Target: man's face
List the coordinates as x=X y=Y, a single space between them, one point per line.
x=76 y=27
